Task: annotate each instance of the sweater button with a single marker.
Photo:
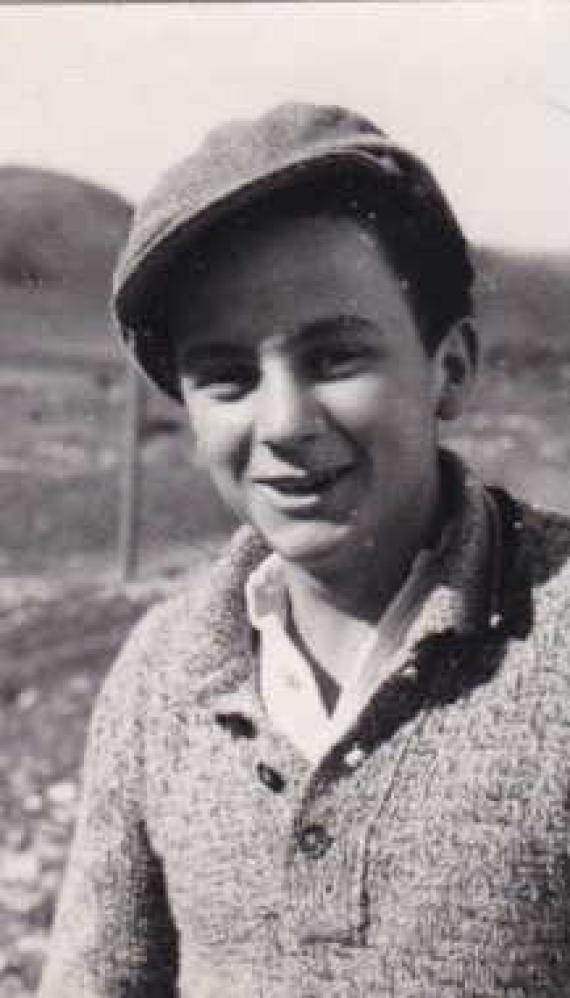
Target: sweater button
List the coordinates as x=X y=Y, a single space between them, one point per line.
x=410 y=671
x=354 y=756
x=237 y=724
x=270 y=777
x=314 y=841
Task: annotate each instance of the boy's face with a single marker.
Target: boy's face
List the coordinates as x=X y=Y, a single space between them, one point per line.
x=312 y=399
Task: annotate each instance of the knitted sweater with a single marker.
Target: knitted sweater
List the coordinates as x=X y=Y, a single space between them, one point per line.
x=426 y=856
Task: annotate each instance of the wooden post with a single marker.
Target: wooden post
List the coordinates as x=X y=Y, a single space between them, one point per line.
x=129 y=518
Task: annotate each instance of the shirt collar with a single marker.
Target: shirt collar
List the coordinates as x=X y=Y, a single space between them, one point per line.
x=266 y=592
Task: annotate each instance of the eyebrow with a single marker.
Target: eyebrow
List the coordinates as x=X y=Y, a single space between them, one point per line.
x=330 y=327
x=191 y=352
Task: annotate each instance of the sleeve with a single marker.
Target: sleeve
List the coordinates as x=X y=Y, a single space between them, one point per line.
x=113 y=934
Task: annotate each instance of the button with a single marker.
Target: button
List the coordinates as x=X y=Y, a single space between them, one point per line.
x=354 y=756
x=410 y=671
x=270 y=777
x=495 y=621
x=314 y=841
x=237 y=724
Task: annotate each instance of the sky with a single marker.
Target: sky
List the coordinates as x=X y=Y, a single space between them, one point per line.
x=117 y=92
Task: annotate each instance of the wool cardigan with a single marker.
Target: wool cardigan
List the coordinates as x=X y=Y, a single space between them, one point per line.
x=426 y=856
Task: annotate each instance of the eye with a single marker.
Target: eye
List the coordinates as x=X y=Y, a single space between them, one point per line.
x=223 y=380
x=329 y=361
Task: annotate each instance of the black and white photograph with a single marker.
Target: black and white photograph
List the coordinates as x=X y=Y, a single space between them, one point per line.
x=285 y=500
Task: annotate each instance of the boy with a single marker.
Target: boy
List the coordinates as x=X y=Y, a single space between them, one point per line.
x=341 y=768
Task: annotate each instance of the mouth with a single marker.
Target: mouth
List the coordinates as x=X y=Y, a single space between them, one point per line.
x=305 y=484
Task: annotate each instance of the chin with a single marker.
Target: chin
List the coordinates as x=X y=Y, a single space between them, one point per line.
x=312 y=546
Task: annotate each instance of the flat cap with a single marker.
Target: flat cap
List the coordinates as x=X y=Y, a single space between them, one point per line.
x=237 y=162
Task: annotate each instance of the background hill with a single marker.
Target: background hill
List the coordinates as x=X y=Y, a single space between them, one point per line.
x=56 y=230
x=524 y=303
x=58 y=240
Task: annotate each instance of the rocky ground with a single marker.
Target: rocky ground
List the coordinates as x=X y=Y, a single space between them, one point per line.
x=57 y=642
x=56 y=647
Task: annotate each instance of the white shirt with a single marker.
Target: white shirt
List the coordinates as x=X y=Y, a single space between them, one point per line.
x=288 y=686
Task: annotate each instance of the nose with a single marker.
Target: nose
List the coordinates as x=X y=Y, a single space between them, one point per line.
x=287 y=411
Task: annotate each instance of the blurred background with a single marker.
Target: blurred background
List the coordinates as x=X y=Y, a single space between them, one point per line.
x=95 y=100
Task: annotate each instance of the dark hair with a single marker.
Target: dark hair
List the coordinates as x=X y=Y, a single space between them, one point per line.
x=428 y=254
x=415 y=228
x=407 y=217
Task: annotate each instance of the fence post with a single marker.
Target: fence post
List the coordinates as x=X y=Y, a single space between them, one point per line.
x=130 y=500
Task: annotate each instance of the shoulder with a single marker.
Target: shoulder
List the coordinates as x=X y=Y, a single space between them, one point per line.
x=546 y=537
x=185 y=637
x=549 y=543
x=546 y=549
x=540 y=538
x=536 y=545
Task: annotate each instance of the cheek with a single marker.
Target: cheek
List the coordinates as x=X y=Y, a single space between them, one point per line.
x=385 y=415
x=219 y=437
x=360 y=407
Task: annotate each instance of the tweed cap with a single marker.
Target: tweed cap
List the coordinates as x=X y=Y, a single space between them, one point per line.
x=235 y=164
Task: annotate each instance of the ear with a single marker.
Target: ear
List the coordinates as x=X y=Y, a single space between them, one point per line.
x=188 y=402
x=456 y=360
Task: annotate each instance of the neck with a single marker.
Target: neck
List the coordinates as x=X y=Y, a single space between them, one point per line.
x=364 y=580
x=337 y=605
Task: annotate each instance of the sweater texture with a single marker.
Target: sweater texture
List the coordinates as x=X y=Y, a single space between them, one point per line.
x=426 y=856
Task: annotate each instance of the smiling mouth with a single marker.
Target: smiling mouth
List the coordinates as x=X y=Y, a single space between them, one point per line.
x=305 y=484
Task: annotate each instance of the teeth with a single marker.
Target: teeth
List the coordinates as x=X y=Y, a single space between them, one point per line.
x=304 y=484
